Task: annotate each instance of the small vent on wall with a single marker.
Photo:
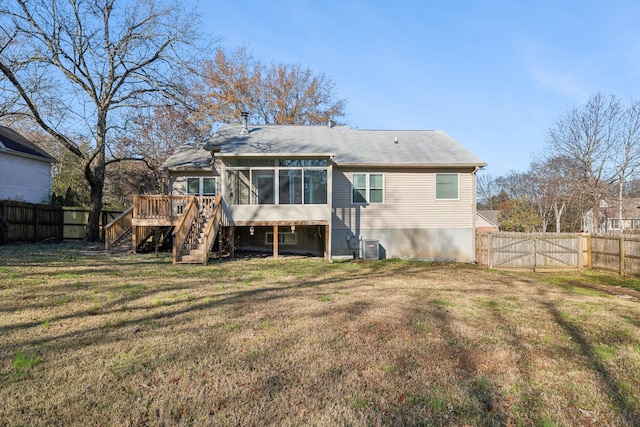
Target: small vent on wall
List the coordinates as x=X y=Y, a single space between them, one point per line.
x=370 y=249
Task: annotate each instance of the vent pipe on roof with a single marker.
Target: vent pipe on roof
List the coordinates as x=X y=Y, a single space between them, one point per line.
x=330 y=123
x=245 y=123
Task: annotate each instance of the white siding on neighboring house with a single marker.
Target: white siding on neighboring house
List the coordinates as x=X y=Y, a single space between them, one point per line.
x=24 y=179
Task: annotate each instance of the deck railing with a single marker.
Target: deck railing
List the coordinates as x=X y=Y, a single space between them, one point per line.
x=212 y=228
x=189 y=214
x=117 y=228
x=159 y=207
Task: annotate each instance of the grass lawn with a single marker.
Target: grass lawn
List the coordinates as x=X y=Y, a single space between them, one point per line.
x=91 y=338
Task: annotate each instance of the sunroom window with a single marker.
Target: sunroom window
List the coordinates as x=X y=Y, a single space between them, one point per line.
x=287 y=182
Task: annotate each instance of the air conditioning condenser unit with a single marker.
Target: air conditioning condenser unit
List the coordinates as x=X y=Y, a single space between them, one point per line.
x=370 y=249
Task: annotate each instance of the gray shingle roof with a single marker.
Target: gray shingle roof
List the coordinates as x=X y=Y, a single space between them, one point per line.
x=13 y=141
x=349 y=146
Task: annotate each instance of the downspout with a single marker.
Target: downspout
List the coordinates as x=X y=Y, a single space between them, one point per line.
x=474 y=215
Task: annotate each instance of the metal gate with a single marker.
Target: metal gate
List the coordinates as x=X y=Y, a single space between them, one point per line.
x=530 y=251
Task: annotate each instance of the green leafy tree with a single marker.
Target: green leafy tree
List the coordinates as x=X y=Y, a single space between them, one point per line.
x=517 y=215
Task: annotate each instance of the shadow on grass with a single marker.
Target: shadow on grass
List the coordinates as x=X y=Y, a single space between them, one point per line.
x=460 y=350
x=621 y=401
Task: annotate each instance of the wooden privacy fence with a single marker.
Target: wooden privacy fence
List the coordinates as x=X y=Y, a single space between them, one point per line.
x=564 y=251
x=616 y=253
x=29 y=222
x=76 y=219
x=531 y=251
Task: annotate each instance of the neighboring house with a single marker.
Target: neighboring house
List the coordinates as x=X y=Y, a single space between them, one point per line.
x=615 y=216
x=337 y=191
x=488 y=220
x=25 y=169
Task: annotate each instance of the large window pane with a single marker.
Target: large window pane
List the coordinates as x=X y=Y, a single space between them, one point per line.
x=193 y=186
x=290 y=186
x=446 y=186
x=315 y=187
x=263 y=187
x=239 y=187
x=208 y=186
x=359 y=194
x=375 y=188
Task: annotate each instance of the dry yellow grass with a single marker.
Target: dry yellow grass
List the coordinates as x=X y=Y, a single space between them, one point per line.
x=90 y=338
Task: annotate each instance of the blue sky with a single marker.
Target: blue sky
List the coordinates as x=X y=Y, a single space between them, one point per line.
x=495 y=75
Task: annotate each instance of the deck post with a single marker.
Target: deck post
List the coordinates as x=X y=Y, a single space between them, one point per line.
x=276 y=241
x=232 y=241
x=327 y=230
x=134 y=238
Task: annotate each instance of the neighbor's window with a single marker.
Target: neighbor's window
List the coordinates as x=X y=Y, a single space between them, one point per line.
x=201 y=186
x=447 y=186
x=367 y=188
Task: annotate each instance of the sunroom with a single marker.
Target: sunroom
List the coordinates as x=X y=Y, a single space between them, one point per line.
x=288 y=196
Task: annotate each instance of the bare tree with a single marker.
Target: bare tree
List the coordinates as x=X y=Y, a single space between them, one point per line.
x=153 y=135
x=603 y=140
x=554 y=180
x=276 y=94
x=79 y=68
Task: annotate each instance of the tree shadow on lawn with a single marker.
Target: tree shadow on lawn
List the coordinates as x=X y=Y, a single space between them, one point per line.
x=113 y=306
x=626 y=406
x=486 y=395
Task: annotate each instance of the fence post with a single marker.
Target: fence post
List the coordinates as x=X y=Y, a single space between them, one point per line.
x=622 y=255
x=580 y=252
x=589 y=252
x=490 y=250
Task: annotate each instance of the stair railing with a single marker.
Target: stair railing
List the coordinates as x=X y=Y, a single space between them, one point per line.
x=117 y=228
x=181 y=232
x=212 y=228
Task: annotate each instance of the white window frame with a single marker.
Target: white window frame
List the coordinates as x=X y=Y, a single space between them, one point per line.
x=276 y=169
x=201 y=185
x=457 y=175
x=282 y=237
x=367 y=188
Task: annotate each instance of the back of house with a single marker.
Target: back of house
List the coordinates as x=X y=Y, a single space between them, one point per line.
x=336 y=192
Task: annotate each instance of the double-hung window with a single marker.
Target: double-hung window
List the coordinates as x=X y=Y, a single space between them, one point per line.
x=367 y=188
x=201 y=186
x=447 y=187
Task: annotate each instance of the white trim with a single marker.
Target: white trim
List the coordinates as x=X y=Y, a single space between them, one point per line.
x=367 y=188
x=458 y=186
x=201 y=185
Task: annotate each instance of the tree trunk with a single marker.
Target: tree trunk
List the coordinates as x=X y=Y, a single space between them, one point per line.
x=94 y=171
x=95 y=210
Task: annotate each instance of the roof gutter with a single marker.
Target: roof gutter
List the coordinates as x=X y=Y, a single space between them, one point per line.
x=294 y=155
x=50 y=160
x=476 y=166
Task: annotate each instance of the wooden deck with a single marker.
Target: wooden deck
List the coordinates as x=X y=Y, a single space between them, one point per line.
x=149 y=213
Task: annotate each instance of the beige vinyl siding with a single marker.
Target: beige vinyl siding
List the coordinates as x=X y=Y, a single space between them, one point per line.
x=409 y=201
x=178 y=183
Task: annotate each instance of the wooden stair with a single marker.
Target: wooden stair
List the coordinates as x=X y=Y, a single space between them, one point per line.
x=196 y=232
x=194 y=251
